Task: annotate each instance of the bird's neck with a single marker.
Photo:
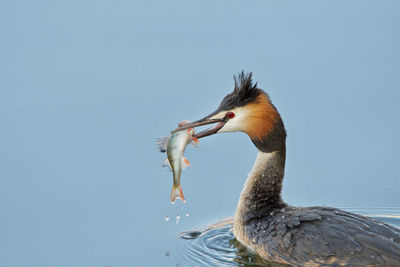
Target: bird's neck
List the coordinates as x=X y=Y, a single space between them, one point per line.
x=262 y=191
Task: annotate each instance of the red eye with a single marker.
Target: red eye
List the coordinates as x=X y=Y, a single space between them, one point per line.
x=230 y=115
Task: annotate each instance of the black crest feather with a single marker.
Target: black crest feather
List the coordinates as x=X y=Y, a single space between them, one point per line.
x=243 y=93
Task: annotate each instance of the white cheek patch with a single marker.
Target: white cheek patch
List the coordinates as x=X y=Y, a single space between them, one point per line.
x=230 y=127
x=236 y=124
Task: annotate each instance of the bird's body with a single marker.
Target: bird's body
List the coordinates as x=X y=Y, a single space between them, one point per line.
x=307 y=236
x=312 y=236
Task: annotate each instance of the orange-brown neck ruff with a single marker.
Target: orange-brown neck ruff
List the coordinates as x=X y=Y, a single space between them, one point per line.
x=264 y=125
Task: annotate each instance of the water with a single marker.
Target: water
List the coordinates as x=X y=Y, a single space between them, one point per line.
x=215 y=245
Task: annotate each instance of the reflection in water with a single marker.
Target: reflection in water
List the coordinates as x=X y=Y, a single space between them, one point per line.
x=215 y=245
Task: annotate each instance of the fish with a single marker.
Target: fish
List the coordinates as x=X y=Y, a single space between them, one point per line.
x=174 y=145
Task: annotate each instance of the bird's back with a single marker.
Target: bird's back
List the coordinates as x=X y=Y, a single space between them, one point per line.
x=322 y=236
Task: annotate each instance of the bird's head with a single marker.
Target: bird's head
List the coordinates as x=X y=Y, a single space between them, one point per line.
x=247 y=109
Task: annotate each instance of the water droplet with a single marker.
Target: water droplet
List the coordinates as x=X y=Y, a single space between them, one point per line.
x=351 y=252
x=187 y=214
x=391 y=239
x=178 y=217
x=166 y=218
x=283 y=216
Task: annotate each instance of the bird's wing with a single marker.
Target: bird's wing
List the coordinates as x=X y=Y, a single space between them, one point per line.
x=326 y=236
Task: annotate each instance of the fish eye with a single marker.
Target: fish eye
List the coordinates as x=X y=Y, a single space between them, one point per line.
x=230 y=115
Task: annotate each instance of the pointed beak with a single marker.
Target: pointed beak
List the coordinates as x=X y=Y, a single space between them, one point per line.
x=219 y=123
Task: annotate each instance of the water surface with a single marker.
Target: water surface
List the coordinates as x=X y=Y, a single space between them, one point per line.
x=215 y=245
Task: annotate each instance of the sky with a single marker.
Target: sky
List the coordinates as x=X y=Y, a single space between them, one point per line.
x=86 y=88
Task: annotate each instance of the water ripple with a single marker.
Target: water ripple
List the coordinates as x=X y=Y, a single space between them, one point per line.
x=215 y=245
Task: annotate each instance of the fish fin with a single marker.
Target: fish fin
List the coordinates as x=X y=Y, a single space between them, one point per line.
x=177 y=193
x=195 y=142
x=185 y=163
x=166 y=164
x=162 y=143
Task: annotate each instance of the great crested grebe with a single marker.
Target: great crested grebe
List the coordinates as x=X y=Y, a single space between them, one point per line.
x=301 y=236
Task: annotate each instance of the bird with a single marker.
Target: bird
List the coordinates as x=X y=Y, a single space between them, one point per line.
x=275 y=230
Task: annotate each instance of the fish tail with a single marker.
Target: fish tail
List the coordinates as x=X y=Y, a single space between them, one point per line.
x=176 y=192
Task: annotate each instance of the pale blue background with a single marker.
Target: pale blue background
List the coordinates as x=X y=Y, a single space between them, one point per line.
x=87 y=86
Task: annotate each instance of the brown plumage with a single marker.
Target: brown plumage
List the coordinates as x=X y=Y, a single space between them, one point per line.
x=262 y=117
